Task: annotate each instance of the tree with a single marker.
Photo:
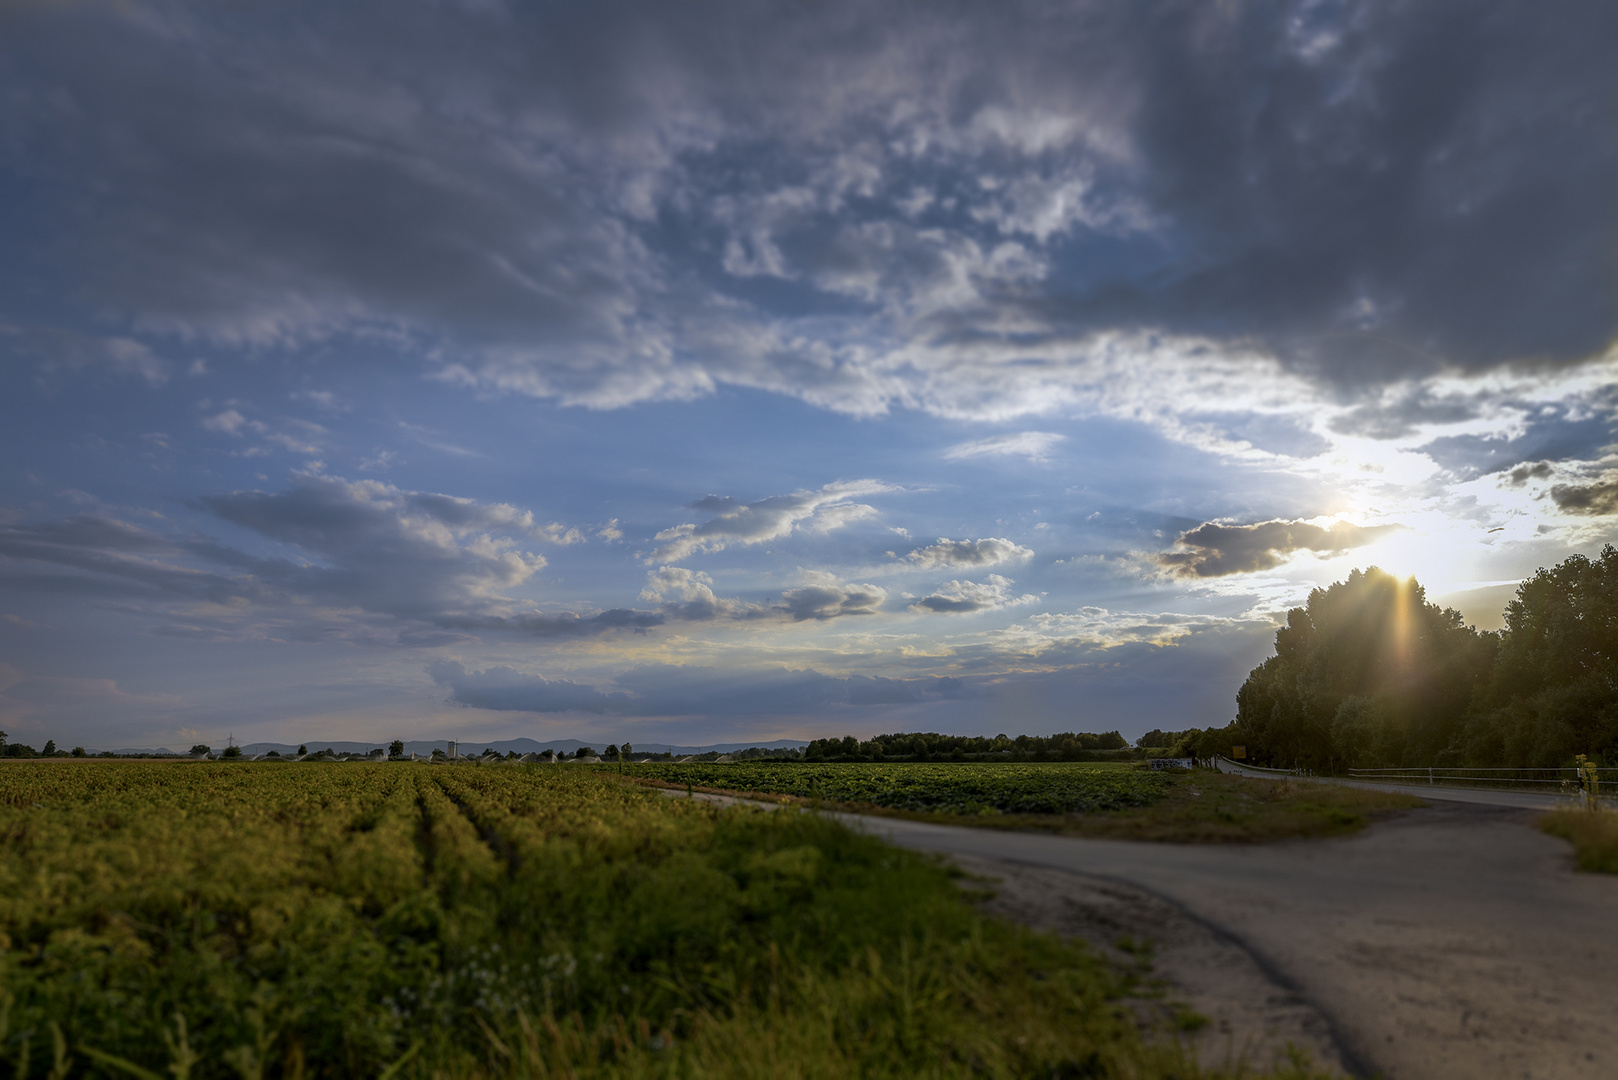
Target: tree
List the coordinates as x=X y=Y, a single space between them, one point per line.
x=302 y=750
x=202 y=748
x=612 y=752
x=231 y=753
x=626 y=750
x=50 y=748
x=1366 y=673
x=78 y=751
x=584 y=752
x=396 y=748
x=1553 y=692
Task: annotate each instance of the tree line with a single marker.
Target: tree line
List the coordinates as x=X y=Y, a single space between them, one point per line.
x=1369 y=674
x=931 y=746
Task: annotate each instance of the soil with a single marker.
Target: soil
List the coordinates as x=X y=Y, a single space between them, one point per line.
x=1253 y=1017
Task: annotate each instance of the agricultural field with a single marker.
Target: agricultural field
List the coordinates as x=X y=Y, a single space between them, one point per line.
x=408 y=920
x=935 y=787
x=1117 y=801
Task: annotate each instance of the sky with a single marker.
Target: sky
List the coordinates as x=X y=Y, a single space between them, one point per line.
x=725 y=371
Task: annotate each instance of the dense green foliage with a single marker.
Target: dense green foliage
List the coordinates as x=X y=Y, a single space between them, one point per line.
x=927 y=746
x=1007 y=788
x=1553 y=691
x=209 y=920
x=1368 y=674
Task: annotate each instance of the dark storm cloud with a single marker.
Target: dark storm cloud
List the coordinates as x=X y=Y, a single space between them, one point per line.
x=580 y=202
x=1519 y=476
x=1213 y=550
x=1595 y=499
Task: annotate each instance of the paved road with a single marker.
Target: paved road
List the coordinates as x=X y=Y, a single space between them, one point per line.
x=1450 y=942
x=1522 y=800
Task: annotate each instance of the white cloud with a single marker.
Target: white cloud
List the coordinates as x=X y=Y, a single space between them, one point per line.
x=990 y=551
x=1034 y=445
x=970 y=597
x=774 y=518
x=688 y=594
x=228 y=422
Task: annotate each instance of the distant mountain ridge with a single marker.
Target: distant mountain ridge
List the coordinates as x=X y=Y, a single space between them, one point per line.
x=504 y=746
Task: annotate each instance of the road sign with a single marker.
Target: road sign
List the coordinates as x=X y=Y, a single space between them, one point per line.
x=1238 y=751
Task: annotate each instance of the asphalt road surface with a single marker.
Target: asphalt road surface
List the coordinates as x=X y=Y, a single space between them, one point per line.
x=1454 y=941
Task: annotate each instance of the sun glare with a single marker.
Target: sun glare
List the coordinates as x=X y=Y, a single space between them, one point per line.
x=1442 y=557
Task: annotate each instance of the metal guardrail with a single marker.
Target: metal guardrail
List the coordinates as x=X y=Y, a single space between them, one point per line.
x=1260 y=768
x=1489 y=777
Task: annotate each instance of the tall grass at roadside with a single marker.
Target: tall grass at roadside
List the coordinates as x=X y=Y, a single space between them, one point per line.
x=1593 y=833
x=197 y=920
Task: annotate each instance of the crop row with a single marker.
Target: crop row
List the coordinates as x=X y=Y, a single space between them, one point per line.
x=247 y=920
x=954 y=788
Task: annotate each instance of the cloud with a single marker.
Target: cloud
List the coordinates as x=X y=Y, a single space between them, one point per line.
x=1088 y=671
x=688 y=595
x=969 y=597
x=561 y=626
x=773 y=518
x=57 y=351
x=505 y=688
x=360 y=556
x=36 y=707
x=1214 y=550
x=1537 y=470
x=1531 y=431
x=825 y=598
x=555 y=207
x=228 y=422
x=1033 y=445
x=949 y=554
x=1595 y=499
x=662 y=690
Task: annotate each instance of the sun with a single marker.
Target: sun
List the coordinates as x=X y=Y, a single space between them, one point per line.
x=1441 y=554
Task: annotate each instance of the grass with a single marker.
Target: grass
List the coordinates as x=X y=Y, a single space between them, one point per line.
x=297 y=920
x=1594 y=835
x=1213 y=807
x=1126 y=803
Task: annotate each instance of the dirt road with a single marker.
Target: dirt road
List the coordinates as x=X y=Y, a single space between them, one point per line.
x=1451 y=942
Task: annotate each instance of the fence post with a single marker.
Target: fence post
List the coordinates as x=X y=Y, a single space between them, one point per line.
x=1429 y=776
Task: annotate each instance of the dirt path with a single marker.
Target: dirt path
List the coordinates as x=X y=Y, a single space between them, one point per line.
x=1253 y=1017
x=1451 y=942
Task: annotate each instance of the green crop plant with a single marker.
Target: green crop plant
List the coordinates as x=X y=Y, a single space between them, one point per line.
x=941 y=787
x=202 y=920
